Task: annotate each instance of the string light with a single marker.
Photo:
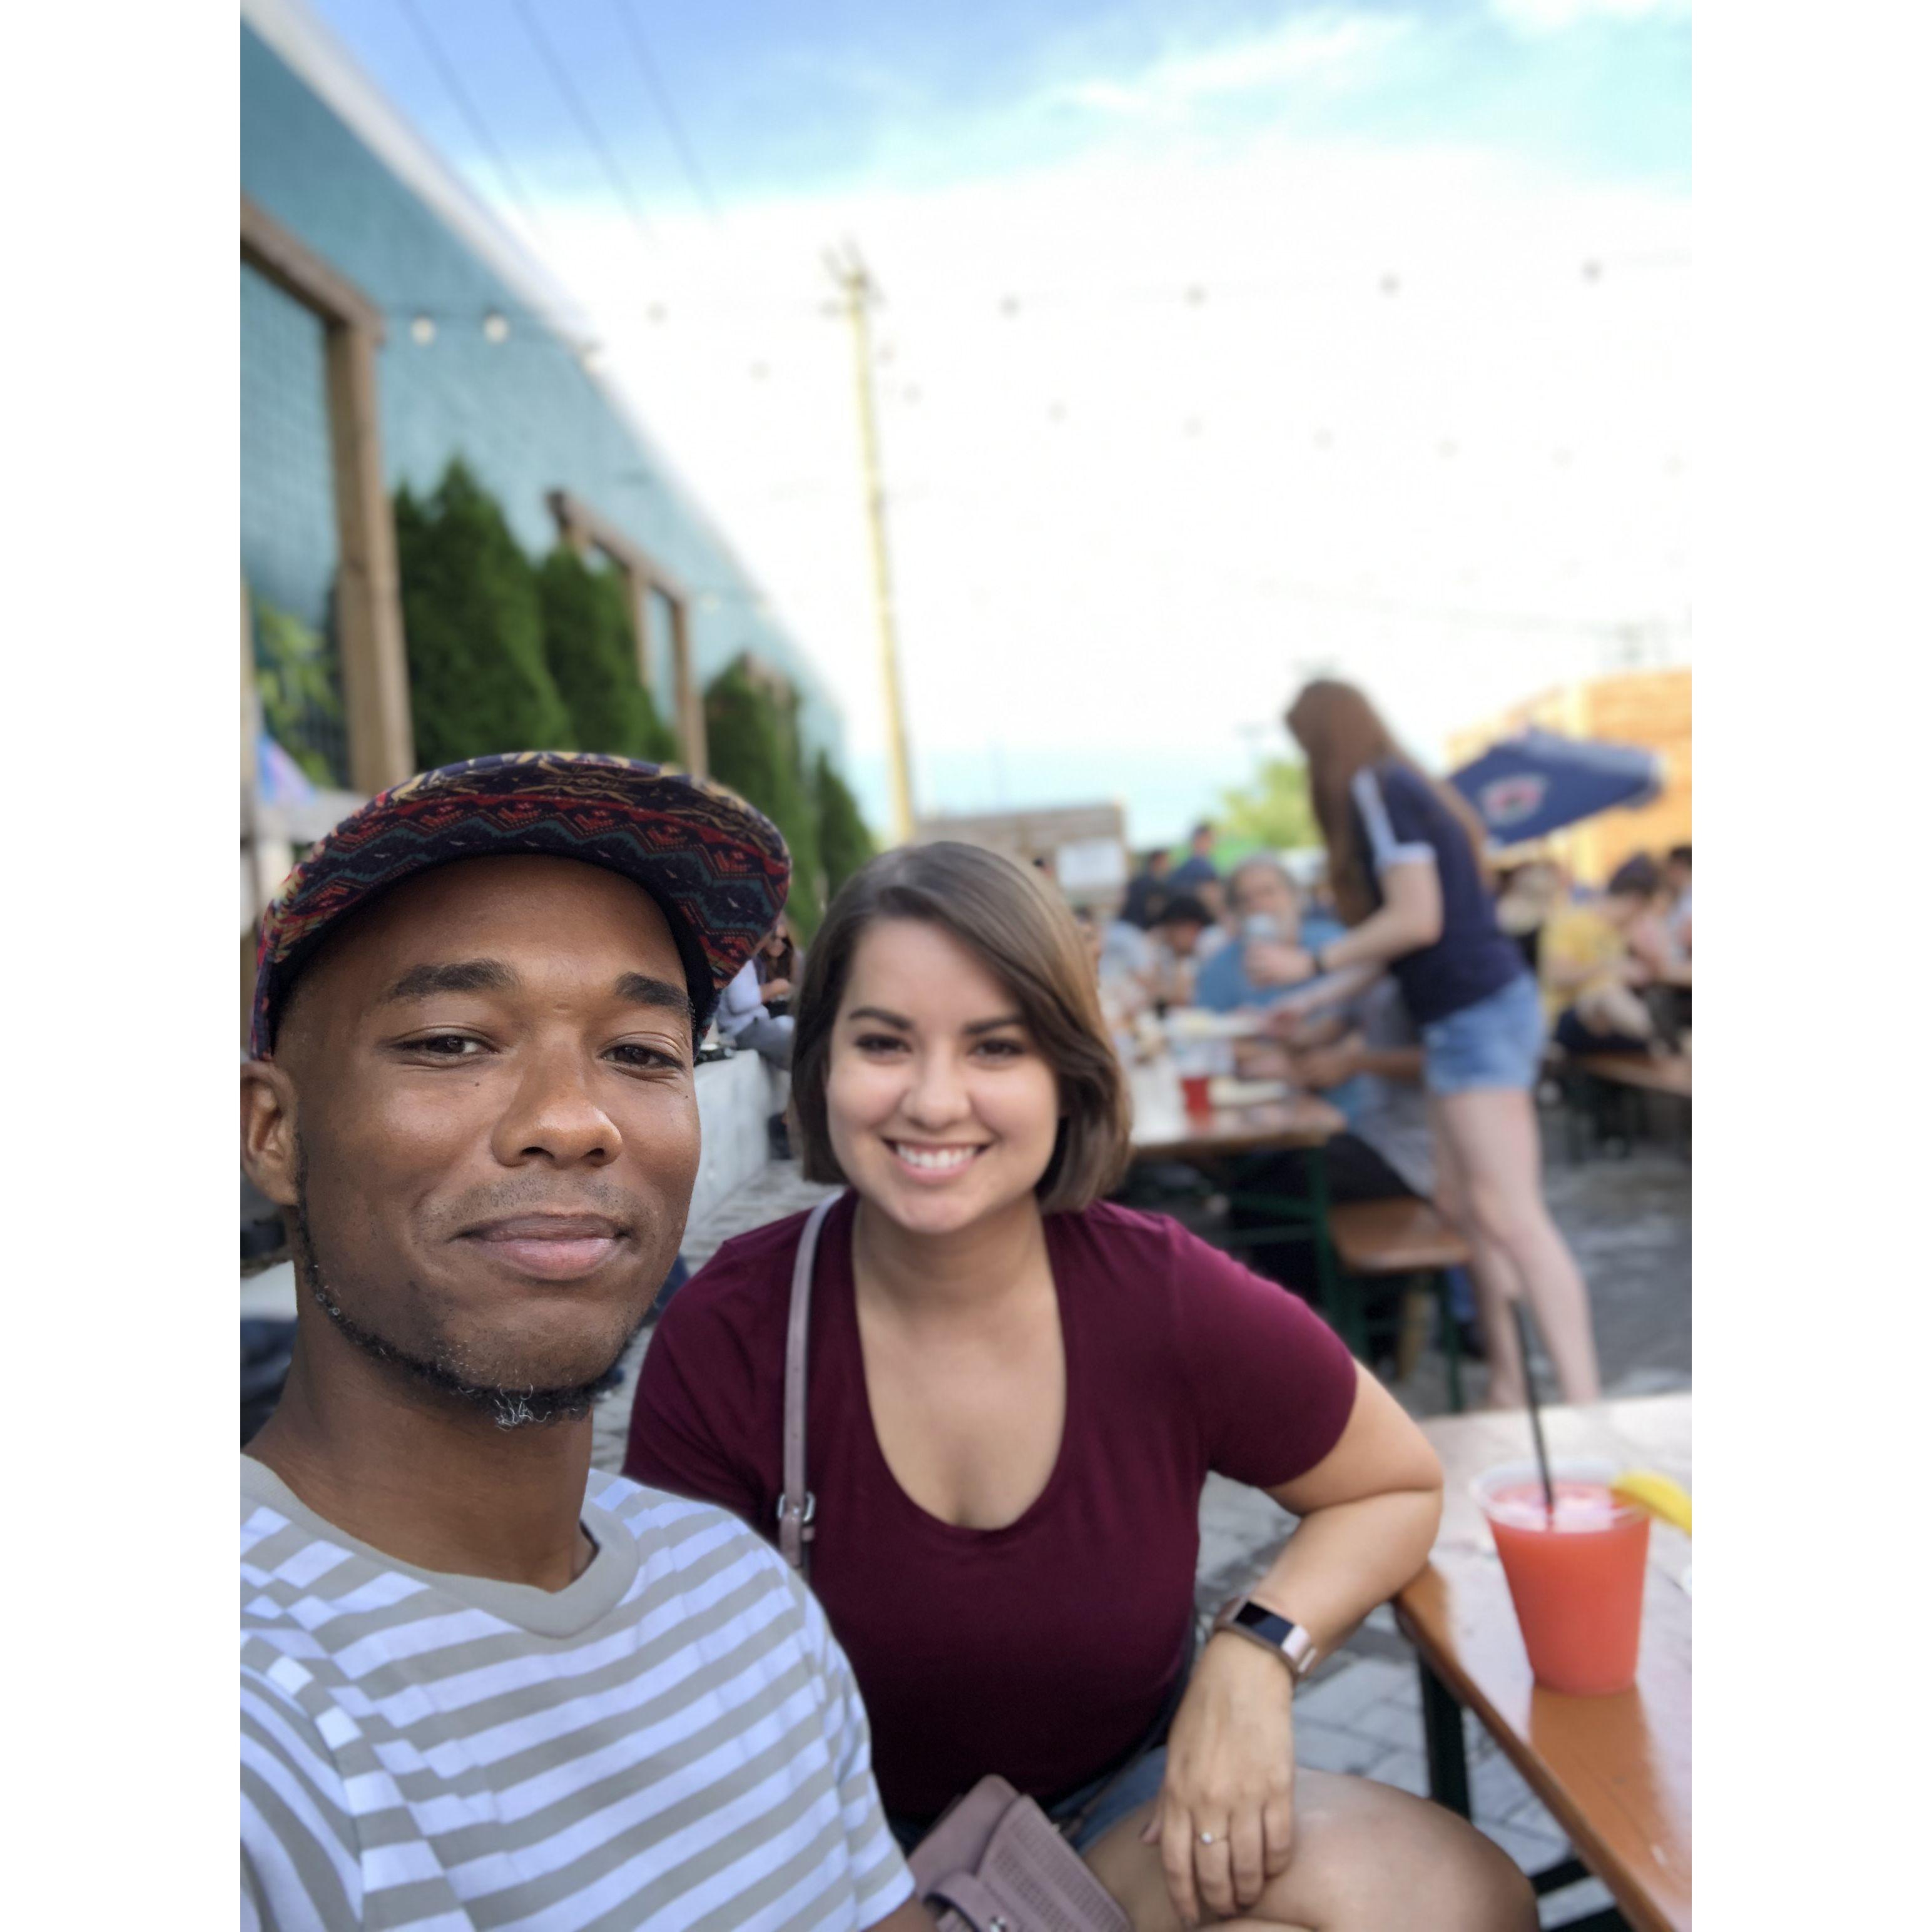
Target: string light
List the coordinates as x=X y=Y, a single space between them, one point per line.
x=496 y=326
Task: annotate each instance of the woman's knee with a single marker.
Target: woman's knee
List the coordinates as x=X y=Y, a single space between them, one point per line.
x=1372 y=1856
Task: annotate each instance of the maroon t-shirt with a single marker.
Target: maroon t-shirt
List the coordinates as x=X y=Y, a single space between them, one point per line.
x=1042 y=1651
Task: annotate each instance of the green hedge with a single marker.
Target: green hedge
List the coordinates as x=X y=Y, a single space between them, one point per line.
x=844 y=843
x=478 y=680
x=590 y=644
x=302 y=707
x=754 y=749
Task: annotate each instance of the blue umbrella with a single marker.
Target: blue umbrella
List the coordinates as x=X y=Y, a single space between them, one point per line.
x=1539 y=781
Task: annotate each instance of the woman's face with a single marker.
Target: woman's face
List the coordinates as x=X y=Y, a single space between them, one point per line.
x=941 y=1109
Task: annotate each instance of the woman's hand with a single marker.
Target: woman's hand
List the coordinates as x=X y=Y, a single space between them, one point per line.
x=1231 y=1776
x=776 y=989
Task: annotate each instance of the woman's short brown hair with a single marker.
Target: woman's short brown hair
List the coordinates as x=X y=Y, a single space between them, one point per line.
x=1011 y=919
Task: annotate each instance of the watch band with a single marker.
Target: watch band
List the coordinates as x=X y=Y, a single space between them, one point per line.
x=1259 y=1624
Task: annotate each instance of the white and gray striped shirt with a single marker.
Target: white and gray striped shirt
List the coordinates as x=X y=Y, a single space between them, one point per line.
x=674 y=1741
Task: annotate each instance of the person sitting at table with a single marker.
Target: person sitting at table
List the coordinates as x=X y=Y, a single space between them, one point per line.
x=1269 y=923
x=1016 y=1392
x=1677 y=883
x=1179 y=949
x=1364 y=1057
x=779 y=963
x=1595 y=960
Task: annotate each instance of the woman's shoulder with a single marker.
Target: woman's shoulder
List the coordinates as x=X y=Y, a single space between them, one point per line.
x=746 y=1284
x=1133 y=1246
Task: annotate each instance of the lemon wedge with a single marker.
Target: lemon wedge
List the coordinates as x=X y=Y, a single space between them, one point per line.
x=1648 y=1490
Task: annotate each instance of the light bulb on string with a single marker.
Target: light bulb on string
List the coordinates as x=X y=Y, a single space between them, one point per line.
x=422 y=330
x=496 y=326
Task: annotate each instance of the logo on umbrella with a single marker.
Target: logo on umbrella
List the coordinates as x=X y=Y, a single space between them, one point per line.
x=1508 y=801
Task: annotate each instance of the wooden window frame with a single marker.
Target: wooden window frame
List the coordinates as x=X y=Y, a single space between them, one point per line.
x=368 y=593
x=585 y=529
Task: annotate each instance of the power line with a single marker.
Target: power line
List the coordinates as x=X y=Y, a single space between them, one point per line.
x=479 y=128
x=634 y=33
x=587 y=126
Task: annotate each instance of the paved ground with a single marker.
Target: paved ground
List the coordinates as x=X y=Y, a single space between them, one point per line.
x=1628 y=1221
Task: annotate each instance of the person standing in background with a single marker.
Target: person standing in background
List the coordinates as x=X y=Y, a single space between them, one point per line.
x=1148 y=891
x=1197 y=873
x=1405 y=857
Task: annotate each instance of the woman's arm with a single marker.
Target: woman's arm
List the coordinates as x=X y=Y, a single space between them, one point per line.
x=1409 y=918
x=1369 y=1511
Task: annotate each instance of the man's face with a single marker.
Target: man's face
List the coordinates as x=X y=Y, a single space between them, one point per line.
x=482 y=1110
x=1261 y=893
x=1182 y=936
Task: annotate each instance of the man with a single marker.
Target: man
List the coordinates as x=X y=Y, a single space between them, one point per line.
x=1197 y=873
x=1269 y=926
x=1147 y=892
x=1178 y=936
x=1594 y=960
x=482 y=1684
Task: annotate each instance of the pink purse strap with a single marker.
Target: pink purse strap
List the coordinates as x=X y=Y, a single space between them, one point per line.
x=797 y=1506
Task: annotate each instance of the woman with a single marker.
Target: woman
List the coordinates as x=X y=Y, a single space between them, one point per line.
x=777 y=965
x=1404 y=859
x=1016 y=1392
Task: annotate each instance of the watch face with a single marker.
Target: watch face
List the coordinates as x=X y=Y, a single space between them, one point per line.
x=1264 y=1623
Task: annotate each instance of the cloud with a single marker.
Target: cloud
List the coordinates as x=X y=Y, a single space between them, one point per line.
x=1164 y=422
x=1538 y=17
x=1331 y=47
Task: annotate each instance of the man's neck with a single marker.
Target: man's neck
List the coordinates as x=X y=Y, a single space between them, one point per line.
x=423 y=1479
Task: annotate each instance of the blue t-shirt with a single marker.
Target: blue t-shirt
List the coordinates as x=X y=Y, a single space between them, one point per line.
x=1400 y=820
x=1221 y=983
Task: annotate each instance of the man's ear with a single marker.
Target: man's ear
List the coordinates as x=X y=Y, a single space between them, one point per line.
x=268 y=1130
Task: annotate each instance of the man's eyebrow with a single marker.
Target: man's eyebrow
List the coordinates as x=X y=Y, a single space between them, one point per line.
x=455 y=976
x=641 y=990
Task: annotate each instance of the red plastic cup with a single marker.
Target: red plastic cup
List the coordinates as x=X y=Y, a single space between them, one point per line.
x=1576 y=1579
x=1194 y=1093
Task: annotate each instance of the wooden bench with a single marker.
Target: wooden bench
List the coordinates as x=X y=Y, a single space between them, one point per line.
x=1374 y=1240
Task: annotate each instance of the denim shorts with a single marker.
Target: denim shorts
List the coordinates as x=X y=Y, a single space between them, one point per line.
x=1496 y=1043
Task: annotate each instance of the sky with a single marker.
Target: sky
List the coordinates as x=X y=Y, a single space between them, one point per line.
x=1217 y=344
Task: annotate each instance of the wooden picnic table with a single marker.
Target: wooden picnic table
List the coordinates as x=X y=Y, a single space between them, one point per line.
x=1669 y=1076
x=1614 y=1772
x=1164 y=1130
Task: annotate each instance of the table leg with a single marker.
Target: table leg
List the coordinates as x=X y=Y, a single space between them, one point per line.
x=1326 y=1270
x=1442 y=1735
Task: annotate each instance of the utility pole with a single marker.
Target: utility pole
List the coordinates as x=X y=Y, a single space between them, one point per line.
x=860 y=291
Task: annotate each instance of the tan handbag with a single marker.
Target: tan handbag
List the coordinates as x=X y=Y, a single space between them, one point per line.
x=994 y=1862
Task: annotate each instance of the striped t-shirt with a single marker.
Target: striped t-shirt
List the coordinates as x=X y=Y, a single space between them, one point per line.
x=674 y=1741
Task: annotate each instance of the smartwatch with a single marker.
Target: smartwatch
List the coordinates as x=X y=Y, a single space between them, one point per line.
x=1271 y=1631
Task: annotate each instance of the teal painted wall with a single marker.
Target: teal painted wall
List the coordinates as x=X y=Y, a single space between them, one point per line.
x=523 y=413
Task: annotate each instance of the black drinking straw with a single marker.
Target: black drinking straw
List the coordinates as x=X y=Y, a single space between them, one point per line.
x=1535 y=1413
